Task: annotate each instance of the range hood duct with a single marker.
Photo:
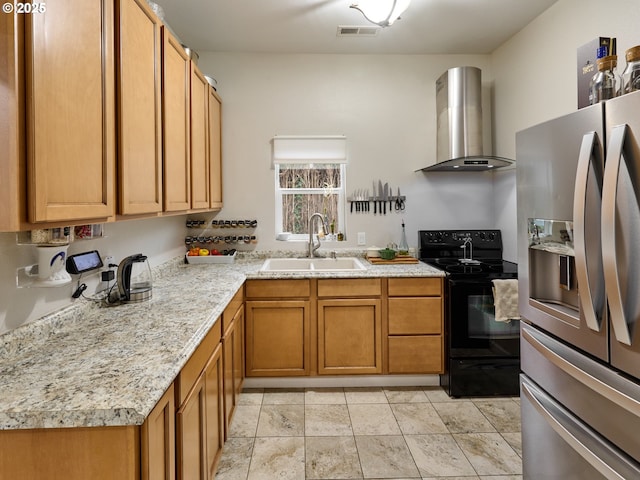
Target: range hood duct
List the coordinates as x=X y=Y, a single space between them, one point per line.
x=459 y=130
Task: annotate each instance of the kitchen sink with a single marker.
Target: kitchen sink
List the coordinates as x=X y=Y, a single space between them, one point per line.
x=312 y=264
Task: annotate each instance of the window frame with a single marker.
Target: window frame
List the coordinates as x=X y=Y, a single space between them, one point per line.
x=340 y=192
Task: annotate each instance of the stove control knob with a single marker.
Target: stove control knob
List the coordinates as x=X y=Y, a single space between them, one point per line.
x=482 y=236
x=492 y=236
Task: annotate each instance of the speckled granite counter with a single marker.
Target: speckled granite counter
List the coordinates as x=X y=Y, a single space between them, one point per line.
x=96 y=366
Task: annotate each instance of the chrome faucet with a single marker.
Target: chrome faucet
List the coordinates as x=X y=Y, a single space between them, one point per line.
x=312 y=247
x=467 y=242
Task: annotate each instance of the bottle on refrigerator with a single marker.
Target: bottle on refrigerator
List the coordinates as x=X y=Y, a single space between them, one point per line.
x=605 y=84
x=631 y=74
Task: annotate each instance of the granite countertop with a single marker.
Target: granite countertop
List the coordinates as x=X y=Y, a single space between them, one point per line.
x=89 y=365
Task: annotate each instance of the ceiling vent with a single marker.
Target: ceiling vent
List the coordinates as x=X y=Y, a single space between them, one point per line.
x=357 y=31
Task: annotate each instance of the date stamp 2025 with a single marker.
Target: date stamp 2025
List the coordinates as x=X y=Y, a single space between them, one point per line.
x=24 y=8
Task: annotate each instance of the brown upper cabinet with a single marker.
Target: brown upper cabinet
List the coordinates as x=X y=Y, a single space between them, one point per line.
x=176 y=75
x=139 y=108
x=96 y=118
x=215 y=150
x=68 y=86
x=199 y=139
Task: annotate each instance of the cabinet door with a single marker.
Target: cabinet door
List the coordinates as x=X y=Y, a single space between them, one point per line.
x=213 y=375
x=415 y=354
x=70 y=111
x=415 y=315
x=230 y=398
x=191 y=434
x=349 y=336
x=176 y=73
x=199 y=134
x=158 y=440
x=215 y=150
x=277 y=338
x=139 y=114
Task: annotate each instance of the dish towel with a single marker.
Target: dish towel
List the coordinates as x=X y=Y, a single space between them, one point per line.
x=505 y=299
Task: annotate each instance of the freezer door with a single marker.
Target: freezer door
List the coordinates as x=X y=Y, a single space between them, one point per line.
x=556 y=445
x=621 y=230
x=599 y=396
x=559 y=176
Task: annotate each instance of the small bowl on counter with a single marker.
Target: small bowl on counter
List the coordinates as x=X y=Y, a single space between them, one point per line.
x=387 y=253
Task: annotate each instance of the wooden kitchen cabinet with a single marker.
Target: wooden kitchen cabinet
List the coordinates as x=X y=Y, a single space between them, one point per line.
x=70 y=110
x=349 y=336
x=233 y=353
x=158 y=440
x=200 y=193
x=278 y=327
x=176 y=77
x=215 y=150
x=349 y=326
x=200 y=415
x=139 y=108
x=415 y=336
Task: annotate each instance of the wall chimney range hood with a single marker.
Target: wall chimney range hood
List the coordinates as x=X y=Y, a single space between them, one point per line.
x=459 y=128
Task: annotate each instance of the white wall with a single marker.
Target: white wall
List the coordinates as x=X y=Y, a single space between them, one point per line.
x=536 y=78
x=384 y=104
x=159 y=238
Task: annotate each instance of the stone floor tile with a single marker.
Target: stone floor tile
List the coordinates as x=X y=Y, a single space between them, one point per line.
x=463 y=417
x=235 y=459
x=418 y=418
x=277 y=457
x=324 y=396
x=245 y=421
x=327 y=420
x=373 y=419
x=281 y=421
x=438 y=455
x=277 y=396
x=515 y=441
x=332 y=458
x=365 y=395
x=503 y=415
x=385 y=457
x=489 y=453
x=405 y=394
x=252 y=396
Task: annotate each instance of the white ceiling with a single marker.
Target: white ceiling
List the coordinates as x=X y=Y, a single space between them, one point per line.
x=310 y=26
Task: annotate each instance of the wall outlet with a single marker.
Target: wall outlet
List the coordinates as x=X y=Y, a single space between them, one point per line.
x=362 y=238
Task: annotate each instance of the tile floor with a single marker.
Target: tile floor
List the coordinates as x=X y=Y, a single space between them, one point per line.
x=375 y=433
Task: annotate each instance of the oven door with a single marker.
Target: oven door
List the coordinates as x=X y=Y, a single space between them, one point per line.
x=472 y=326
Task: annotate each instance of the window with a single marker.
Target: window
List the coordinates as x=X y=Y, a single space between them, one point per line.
x=310 y=178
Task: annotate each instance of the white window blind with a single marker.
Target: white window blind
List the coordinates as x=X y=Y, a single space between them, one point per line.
x=289 y=149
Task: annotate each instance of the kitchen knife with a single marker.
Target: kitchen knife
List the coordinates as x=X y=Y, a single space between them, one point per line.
x=390 y=199
x=375 y=207
x=385 y=197
x=380 y=198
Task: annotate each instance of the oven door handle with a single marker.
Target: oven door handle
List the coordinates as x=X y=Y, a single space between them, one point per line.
x=587 y=203
x=477 y=282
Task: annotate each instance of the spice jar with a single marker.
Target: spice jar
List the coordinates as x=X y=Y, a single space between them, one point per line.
x=631 y=74
x=606 y=82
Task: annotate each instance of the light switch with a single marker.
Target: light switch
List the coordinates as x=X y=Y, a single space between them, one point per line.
x=362 y=238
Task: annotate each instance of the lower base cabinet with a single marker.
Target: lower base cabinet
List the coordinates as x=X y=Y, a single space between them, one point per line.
x=349 y=336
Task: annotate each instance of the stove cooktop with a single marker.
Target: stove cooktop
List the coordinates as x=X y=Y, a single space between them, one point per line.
x=458 y=266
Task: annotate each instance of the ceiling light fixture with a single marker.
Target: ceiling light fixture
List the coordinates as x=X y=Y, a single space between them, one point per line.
x=382 y=12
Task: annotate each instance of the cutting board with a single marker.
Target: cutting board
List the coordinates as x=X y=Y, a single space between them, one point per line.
x=399 y=260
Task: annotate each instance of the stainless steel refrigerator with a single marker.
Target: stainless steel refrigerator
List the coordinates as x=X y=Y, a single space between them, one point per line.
x=578 y=193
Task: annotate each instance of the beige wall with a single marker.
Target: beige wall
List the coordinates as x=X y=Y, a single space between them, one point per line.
x=535 y=78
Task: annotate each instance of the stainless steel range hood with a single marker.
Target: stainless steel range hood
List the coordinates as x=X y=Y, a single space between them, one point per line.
x=459 y=134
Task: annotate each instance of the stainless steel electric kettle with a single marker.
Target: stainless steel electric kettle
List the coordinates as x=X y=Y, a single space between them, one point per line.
x=134 y=279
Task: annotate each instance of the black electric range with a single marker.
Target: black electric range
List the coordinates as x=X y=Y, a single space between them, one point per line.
x=482 y=354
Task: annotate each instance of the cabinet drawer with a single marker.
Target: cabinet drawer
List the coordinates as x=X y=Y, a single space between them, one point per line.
x=195 y=365
x=415 y=354
x=231 y=310
x=342 y=288
x=415 y=316
x=277 y=289
x=415 y=287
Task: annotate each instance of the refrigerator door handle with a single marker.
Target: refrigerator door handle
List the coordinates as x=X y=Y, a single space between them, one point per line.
x=571 y=368
x=570 y=433
x=589 y=177
x=609 y=226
